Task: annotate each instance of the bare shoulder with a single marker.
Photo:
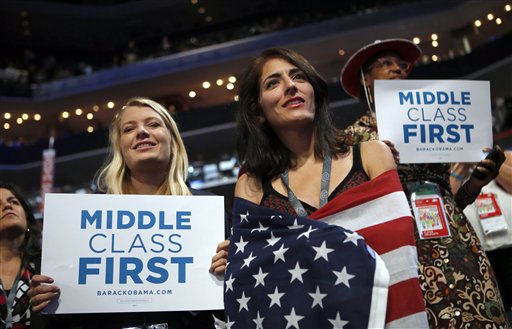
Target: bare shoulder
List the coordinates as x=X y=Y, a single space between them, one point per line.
x=249 y=187
x=377 y=158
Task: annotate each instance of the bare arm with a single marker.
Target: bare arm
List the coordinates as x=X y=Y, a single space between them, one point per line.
x=377 y=158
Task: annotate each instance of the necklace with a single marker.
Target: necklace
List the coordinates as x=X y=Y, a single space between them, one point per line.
x=324 y=188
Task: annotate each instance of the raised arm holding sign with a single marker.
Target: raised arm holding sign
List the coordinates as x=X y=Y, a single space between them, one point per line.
x=435 y=121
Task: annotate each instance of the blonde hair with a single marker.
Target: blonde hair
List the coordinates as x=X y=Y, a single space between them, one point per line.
x=113 y=175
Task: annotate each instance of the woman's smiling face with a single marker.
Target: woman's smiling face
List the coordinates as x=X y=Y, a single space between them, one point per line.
x=286 y=95
x=145 y=140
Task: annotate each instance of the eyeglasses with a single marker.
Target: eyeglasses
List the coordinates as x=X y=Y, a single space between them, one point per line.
x=388 y=62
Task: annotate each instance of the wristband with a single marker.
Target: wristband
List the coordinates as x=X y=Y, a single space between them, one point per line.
x=457 y=176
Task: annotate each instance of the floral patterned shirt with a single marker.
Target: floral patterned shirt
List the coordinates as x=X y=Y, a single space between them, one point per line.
x=458 y=282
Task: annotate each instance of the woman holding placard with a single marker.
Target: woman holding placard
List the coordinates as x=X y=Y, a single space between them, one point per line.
x=20 y=257
x=457 y=280
x=147 y=156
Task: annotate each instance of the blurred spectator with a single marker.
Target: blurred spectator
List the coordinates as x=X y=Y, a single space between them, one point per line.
x=130 y=53
x=165 y=46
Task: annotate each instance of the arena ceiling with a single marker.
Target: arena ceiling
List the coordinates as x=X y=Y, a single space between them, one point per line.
x=102 y=26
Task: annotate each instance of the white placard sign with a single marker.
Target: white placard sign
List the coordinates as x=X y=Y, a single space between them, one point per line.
x=132 y=253
x=435 y=120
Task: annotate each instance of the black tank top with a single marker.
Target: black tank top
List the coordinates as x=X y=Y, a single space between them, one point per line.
x=275 y=200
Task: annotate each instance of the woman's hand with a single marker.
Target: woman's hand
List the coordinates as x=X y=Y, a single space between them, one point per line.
x=394 y=151
x=220 y=259
x=42 y=292
x=485 y=171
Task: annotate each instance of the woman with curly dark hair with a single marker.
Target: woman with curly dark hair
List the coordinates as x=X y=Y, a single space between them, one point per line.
x=20 y=257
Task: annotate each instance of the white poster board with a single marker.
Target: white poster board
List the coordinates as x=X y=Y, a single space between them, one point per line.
x=435 y=120
x=132 y=253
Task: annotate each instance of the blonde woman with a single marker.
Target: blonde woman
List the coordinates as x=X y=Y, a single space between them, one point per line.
x=147 y=156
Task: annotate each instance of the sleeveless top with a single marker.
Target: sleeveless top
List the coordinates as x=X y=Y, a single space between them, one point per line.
x=275 y=200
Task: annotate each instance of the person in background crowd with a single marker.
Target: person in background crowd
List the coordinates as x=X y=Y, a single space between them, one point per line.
x=287 y=142
x=459 y=285
x=495 y=201
x=20 y=258
x=147 y=156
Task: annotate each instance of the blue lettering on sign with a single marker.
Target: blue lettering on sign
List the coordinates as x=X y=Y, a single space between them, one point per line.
x=437 y=133
x=439 y=97
x=125 y=219
x=132 y=267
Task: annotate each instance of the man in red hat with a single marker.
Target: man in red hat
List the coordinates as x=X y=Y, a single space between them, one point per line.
x=458 y=283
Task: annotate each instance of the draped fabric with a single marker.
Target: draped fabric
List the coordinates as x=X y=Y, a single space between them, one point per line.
x=379 y=211
x=293 y=272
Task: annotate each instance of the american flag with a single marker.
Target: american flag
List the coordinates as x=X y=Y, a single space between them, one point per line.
x=379 y=211
x=293 y=272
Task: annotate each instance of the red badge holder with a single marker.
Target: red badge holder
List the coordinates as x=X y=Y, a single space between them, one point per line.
x=489 y=212
x=428 y=209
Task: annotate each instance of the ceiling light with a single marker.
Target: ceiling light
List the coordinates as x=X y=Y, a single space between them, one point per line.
x=220 y=82
x=90 y=129
x=498 y=21
x=110 y=105
x=19 y=121
x=24 y=116
x=90 y=116
x=95 y=108
x=37 y=116
x=490 y=17
x=232 y=79
x=435 y=58
x=208 y=19
x=65 y=114
x=508 y=7
x=416 y=40
x=192 y=94
x=201 y=10
x=341 y=52
x=230 y=86
x=7 y=125
x=478 y=23
x=78 y=111
x=206 y=85
x=435 y=44
x=194 y=2
x=434 y=36
x=236 y=98
x=7 y=115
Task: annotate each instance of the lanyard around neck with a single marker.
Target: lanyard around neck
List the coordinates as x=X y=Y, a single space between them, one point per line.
x=324 y=188
x=9 y=321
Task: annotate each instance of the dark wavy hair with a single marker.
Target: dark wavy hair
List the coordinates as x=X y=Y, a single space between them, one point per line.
x=31 y=253
x=259 y=149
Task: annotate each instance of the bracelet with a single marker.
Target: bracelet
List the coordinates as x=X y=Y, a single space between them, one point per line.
x=457 y=176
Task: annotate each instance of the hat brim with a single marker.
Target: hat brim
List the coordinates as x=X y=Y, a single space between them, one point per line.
x=349 y=77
